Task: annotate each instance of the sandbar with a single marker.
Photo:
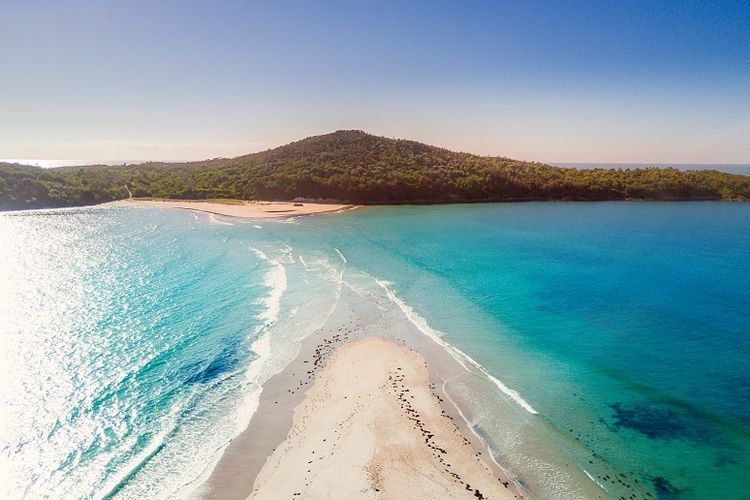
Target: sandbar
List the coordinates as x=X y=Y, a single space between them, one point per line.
x=371 y=426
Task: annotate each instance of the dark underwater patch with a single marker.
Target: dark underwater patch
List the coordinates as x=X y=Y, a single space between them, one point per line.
x=664 y=489
x=656 y=421
x=227 y=361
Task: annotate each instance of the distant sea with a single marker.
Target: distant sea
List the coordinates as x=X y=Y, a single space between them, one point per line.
x=135 y=341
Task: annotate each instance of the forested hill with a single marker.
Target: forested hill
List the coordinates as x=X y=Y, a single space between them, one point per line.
x=357 y=167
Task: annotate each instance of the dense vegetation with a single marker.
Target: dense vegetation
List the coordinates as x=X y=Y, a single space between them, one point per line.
x=361 y=168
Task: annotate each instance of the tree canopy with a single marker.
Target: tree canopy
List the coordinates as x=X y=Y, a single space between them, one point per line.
x=356 y=167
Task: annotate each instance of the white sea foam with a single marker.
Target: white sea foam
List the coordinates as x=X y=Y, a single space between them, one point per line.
x=457 y=354
x=214 y=220
x=275 y=279
x=257 y=371
x=135 y=463
x=340 y=255
x=595 y=481
x=286 y=255
x=471 y=428
x=261 y=347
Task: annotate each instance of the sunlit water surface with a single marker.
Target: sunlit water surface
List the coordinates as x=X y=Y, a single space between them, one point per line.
x=134 y=341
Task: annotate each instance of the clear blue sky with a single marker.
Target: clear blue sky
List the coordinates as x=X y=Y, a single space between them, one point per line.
x=619 y=81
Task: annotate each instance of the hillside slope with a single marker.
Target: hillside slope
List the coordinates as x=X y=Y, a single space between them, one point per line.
x=357 y=167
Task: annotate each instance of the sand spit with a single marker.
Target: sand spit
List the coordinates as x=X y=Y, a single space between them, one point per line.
x=371 y=426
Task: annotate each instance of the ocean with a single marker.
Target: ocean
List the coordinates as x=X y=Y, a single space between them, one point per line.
x=611 y=337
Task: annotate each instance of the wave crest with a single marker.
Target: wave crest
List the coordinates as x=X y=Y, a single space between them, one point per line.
x=457 y=354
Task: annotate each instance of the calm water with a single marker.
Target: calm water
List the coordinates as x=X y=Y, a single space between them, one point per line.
x=135 y=339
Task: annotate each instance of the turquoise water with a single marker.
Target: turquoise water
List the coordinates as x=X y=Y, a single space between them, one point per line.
x=624 y=324
x=135 y=340
x=122 y=332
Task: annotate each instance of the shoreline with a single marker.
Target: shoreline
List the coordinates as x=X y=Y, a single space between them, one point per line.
x=529 y=454
x=372 y=426
x=244 y=459
x=239 y=208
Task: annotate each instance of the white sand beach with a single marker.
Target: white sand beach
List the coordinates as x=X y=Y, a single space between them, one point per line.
x=238 y=208
x=371 y=426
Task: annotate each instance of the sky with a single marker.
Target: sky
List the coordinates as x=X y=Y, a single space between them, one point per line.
x=555 y=81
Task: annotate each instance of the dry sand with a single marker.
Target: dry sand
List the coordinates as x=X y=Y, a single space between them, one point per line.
x=371 y=426
x=238 y=208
